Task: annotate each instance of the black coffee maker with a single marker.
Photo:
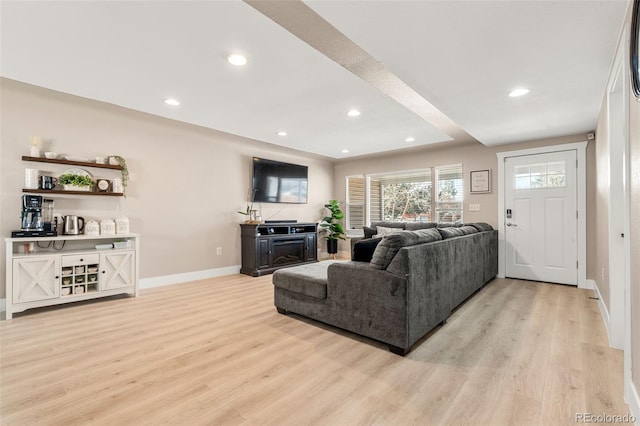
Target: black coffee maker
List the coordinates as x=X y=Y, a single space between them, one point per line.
x=32 y=222
x=32 y=213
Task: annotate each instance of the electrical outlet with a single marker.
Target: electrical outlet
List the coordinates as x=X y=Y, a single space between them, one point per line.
x=602 y=274
x=474 y=207
x=219 y=251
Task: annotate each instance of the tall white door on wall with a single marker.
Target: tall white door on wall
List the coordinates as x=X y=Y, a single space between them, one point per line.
x=541 y=217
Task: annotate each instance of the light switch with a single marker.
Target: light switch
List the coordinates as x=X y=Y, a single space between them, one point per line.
x=474 y=207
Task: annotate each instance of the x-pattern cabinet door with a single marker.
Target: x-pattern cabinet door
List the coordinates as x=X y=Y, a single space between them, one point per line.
x=36 y=278
x=118 y=269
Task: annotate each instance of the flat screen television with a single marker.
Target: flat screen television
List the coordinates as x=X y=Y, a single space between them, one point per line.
x=278 y=182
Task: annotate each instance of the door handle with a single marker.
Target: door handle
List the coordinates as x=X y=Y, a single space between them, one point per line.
x=511 y=224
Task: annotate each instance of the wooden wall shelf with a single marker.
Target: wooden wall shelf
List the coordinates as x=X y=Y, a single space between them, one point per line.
x=55 y=191
x=70 y=163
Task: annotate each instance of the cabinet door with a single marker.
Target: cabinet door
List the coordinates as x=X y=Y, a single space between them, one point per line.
x=118 y=269
x=312 y=247
x=36 y=278
x=264 y=254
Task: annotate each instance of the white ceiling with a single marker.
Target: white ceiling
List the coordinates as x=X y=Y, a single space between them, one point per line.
x=447 y=66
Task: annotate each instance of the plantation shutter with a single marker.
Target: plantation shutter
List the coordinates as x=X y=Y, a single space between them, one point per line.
x=355 y=202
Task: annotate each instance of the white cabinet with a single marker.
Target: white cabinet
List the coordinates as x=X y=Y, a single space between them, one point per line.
x=36 y=278
x=69 y=268
x=117 y=269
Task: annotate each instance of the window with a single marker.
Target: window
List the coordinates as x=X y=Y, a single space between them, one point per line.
x=405 y=196
x=401 y=196
x=540 y=175
x=450 y=193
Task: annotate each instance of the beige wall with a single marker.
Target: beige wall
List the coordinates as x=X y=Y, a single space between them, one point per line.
x=602 y=198
x=186 y=185
x=473 y=157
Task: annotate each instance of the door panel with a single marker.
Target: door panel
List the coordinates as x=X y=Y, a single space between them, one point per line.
x=541 y=235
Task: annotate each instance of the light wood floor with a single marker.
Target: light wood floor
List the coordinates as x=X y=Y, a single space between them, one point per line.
x=216 y=352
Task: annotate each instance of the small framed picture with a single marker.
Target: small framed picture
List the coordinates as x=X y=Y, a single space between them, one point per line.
x=480 y=181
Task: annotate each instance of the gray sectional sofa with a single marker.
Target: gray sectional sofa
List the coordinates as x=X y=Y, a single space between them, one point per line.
x=415 y=278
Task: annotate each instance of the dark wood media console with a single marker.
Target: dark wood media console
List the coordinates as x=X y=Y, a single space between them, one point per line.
x=267 y=247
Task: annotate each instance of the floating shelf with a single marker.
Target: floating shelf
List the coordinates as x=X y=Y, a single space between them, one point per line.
x=71 y=163
x=55 y=191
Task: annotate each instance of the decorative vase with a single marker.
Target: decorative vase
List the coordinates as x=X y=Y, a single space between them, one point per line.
x=332 y=246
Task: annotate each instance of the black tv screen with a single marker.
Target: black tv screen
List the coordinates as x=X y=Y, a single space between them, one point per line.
x=278 y=182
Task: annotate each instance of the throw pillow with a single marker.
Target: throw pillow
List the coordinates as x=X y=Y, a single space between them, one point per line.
x=382 y=231
x=369 y=232
x=363 y=249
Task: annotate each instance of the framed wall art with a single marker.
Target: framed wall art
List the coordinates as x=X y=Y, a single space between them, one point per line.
x=480 y=181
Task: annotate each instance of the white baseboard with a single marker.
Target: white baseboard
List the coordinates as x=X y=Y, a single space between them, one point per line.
x=587 y=285
x=188 y=276
x=604 y=312
x=633 y=402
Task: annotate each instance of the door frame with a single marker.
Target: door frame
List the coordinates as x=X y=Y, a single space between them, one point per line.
x=581 y=203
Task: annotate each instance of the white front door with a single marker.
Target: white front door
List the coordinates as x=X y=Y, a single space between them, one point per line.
x=541 y=217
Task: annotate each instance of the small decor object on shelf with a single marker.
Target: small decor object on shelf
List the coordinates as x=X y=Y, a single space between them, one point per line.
x=117 y=185
x=36 y=142
x=31 y=178
x=76 y=180
x=116 y=160
x=331 y=227
x=107 y=227
x=92 y=228
x=102 y=185
x=122 y=225
x=250 y=212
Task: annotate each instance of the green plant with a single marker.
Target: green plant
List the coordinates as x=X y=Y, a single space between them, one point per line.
x=75 y=180
x=124 y=172
x=330 y=224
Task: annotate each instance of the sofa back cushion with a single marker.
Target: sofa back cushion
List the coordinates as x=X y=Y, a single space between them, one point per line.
x=390 y=245
x=414 y=226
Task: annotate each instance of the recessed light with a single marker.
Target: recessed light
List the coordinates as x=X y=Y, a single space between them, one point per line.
x=410 y=139
x=345 y=151
x=520 y=91
x=353 y=113
x=237 y=59
x=282 y=133
x=172 y=102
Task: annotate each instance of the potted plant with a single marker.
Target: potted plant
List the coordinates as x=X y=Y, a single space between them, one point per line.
x=75 y=182
x=250 y=213
x=331 y=227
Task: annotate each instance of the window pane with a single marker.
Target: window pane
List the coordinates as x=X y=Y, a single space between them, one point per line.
x=401 y=196
x=450 y=195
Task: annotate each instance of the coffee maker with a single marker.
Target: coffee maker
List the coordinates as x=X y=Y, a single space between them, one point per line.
x=32 y=222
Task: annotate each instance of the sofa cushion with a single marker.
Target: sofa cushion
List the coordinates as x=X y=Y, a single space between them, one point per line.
x=466 y=230
x=449 y=224
x=414 y=226
x=309 y=279
x=391 y=244
x=369 y=232
x=449 y=232
x=363 y=249
x=480 y=226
